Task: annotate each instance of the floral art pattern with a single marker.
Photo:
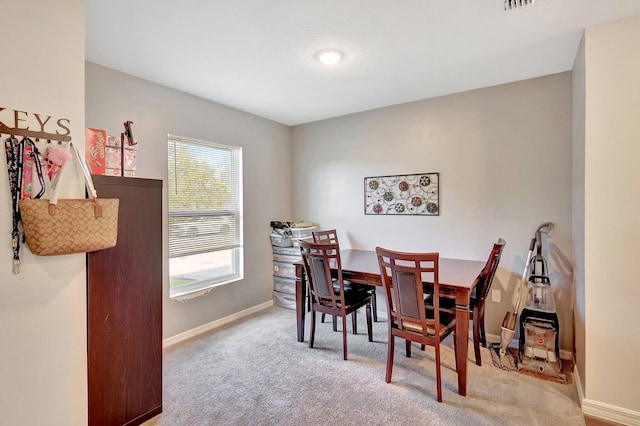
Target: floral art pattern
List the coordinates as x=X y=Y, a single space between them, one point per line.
x=415 y=194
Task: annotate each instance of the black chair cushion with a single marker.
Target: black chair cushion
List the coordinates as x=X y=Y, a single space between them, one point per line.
x=350 y=286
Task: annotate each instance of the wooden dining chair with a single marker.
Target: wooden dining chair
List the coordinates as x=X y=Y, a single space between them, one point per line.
x=331 y=236
x=403 y=275
x=328 y=294
x=482 y=287
x=478 y=298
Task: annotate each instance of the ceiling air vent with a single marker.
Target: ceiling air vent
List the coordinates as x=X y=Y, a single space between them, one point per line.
x=517 y=4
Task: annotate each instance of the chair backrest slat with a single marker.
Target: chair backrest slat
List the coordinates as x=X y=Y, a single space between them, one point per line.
x=327 y=236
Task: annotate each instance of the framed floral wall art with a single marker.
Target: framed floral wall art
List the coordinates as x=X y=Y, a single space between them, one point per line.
x=415 y=194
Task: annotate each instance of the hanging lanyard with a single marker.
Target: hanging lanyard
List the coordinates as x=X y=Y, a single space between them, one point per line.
x=15 y=151
x=38 y=164
x=27 y=171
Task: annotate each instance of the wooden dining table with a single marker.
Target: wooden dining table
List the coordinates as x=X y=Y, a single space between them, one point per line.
x=457 y=277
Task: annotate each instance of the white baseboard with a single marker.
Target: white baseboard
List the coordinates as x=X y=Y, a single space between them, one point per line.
x=169 y=341
x=578 y=382
x=610 y=413
x=601 y=410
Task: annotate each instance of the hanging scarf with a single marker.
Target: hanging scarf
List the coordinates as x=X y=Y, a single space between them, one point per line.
x=15 y=151
x=17 y=155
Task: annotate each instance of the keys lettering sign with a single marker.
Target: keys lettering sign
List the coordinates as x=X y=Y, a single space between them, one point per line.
x=13 y=121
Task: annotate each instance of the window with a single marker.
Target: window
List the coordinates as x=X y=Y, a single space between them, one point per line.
x=205 y=215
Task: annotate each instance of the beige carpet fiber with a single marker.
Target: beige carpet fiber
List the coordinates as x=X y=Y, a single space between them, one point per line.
x=254 y=372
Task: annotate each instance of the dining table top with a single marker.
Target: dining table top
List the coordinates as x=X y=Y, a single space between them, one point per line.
x=460 y=273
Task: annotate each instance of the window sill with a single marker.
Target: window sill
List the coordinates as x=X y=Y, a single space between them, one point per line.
x=187 y=294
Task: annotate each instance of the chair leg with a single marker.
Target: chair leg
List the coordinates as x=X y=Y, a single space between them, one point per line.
x=476 y=344
x=313 y=327
x=322 y=318
x=438 y=375
x=389 y=357
x=483 y=335
x=455 y=347
x=354 y=322
x=476 y=337
x=344 y=336
x=369 y=326
x=374 y=306
x=407 y=344
x=335 y=323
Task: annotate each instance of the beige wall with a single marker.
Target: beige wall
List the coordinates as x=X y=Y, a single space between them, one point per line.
x=612 y=209
x=504 y=158
x=579 y=316
x=43 y=330
x=113 y=97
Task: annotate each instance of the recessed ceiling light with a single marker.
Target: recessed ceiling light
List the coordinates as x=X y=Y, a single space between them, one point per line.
x=329 y=57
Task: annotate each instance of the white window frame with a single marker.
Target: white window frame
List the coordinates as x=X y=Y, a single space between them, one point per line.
x=232 y=251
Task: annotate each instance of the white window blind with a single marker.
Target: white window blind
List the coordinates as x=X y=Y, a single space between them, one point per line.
x=204 y=197
x=205 y=215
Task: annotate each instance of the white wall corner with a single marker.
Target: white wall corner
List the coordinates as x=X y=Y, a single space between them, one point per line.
x=601 y=410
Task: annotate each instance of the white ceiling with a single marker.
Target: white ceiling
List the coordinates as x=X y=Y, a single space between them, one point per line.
x=258 y=55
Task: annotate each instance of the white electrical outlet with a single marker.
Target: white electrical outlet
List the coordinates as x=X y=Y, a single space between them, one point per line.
x=495 y=295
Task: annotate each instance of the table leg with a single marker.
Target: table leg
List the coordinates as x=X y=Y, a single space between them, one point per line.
x=300 y=303
x=462 y=338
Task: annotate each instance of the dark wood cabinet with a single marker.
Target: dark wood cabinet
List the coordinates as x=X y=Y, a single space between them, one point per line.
x=124 y=308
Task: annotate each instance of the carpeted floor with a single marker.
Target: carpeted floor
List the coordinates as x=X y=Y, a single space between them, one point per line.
x=254 y=372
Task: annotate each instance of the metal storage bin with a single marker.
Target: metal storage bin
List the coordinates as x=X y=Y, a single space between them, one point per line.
x=284 y=300
x=302 y=232
x=284 y=285
x=285 y=258
x=282 y=269
x=286 y=251
x=280 y=241
x=296 y=241
x=289 y=251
